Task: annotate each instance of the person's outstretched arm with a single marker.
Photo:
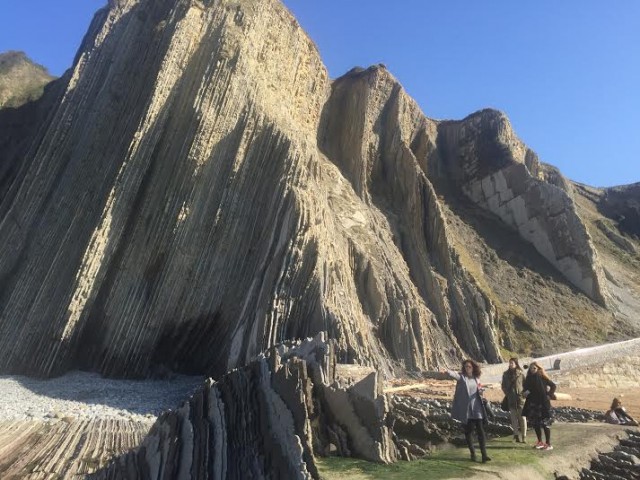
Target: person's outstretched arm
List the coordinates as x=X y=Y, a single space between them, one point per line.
x=451 y=373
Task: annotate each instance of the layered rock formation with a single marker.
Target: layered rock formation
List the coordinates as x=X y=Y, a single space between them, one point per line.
x=67 y=448
x=138 y=233
x=499 y=173
x=268 y=420
x=180 y=200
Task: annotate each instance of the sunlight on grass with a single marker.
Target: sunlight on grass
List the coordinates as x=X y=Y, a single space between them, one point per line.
x=448 y=462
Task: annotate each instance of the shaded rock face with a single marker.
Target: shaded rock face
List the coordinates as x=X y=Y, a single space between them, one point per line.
x=181 y=201
x=623 y=205
x=267 y=420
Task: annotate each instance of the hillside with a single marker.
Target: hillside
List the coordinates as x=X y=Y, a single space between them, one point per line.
x=21 y=80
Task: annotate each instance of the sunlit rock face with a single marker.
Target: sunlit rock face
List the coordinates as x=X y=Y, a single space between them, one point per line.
x=21 y=80
x=196 y=189
x=499 y=173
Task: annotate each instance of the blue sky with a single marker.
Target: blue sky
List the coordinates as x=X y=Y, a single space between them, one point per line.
x=566 y=72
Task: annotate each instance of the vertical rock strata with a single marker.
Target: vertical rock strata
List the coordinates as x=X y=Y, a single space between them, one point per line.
x=384 y=145
x=175 y=210
x=267 y=420
x=195 y=190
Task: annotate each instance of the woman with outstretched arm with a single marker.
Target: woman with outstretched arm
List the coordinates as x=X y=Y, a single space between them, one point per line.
x=467 y=406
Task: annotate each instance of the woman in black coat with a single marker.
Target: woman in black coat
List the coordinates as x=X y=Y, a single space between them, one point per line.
x=538 y=391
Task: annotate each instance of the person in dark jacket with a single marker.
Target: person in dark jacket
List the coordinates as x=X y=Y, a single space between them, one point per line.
x=513 y=386
x=467 y=406
x=538 y=391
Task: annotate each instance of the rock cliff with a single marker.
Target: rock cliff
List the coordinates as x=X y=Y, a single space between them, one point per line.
x=196 y=190
x=499 y=173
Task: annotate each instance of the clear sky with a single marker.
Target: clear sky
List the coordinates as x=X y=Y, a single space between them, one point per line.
x=567 y=73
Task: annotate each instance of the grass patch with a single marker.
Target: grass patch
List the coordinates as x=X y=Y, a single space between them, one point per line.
x=446 y=463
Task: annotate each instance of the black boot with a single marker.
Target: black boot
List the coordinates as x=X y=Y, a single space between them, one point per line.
x=485 y=459
x=473 y=455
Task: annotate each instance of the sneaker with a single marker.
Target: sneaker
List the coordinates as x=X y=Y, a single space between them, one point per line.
x=538 y=445
x=547 y=447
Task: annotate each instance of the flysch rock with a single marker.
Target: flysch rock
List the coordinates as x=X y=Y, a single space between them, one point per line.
x=173 y=211
x=499 y=173
x=266 y=420
x=72 y=425
x=66 y=448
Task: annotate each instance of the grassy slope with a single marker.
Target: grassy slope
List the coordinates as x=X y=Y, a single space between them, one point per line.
x=538 y=311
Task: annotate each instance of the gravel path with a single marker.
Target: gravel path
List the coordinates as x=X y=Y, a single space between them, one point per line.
x=87 y=395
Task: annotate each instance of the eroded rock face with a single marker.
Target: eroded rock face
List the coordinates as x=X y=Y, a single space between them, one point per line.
x=176 y=213
x=180 y=201
x=268 y=420
x=623 y=205
x=66 y=448
x=500 y=174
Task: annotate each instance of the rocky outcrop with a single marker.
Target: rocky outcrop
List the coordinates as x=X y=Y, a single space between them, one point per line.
x=268 y=420
x=21 y=80
x=496 y=171
x=64 y=448
x=384 y=145
x=623 y=205
x=621 y=464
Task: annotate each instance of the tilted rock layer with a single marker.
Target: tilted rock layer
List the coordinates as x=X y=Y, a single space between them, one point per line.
x=195 y=190
x=268 y=420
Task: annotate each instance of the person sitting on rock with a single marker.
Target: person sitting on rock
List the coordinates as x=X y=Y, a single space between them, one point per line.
x=538 y=391
x=618 y=415
x=467 y=406
x=512 y=386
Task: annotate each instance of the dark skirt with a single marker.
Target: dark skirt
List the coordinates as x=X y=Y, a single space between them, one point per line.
x=538 y=415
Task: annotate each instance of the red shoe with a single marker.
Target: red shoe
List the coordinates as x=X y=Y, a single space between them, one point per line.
x=547 y=447
x=539 y=445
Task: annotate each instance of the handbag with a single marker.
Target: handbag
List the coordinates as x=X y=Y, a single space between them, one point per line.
x=488 y=409
x=504 y=405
